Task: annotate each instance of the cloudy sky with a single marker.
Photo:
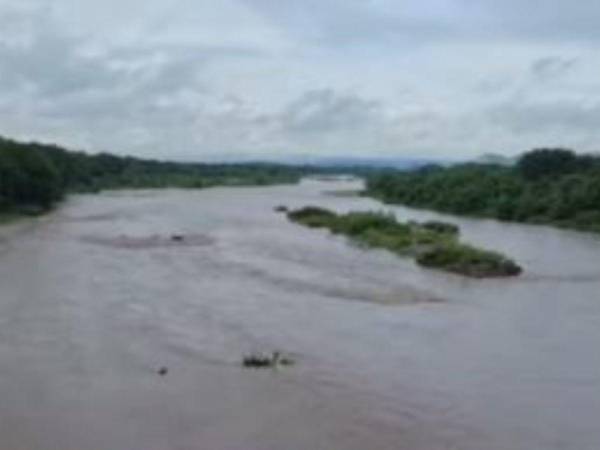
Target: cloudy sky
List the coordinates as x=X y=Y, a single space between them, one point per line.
x=207 y=79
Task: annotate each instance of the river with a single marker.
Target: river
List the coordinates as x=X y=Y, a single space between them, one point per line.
x=95 y=297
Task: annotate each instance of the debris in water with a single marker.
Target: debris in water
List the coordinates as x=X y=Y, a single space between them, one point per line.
x=163 y=371
x=262 y=361
x=150 y=241
x=281 y=209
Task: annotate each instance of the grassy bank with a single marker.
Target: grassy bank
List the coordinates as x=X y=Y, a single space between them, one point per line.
x=432 y=244
x=6 y=218
x=14 y=214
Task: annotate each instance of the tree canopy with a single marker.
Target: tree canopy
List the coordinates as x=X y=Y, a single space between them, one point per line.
x=550 y=186
x=34 y=176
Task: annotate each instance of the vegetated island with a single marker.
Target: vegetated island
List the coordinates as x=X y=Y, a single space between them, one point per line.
x=432 y=244
x=545 y=186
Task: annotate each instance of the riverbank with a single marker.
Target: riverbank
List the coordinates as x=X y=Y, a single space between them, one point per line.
x=546 y=187
x=8 y=218
x=37 y=176
x=12 y=215
x=584 y=224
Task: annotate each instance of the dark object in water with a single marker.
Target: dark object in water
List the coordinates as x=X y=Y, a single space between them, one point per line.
x=281 y=209
x=163 y=371
x=177 y=237
x=262 y=361
x=441 y=227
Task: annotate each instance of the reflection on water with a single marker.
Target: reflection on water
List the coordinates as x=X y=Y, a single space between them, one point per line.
x=96 y=297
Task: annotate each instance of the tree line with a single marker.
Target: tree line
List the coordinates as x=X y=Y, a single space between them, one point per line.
x=34 y=176
x=545 y=186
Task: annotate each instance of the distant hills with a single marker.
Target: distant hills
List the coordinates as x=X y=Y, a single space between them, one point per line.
x=400 y=163
x=496 y=159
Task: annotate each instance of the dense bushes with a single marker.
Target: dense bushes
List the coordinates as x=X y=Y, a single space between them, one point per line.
x=432 y=244
x=466 y=260
x=550 y=186
x=27 y=178
x=34 y=176
x=312 y=216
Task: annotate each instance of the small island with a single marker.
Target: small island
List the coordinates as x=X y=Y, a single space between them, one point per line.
x=432 y=244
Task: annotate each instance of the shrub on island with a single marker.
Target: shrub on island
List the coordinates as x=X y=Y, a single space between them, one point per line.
x=433 y=244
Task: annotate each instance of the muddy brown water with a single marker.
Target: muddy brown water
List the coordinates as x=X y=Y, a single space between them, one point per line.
x=96 y=297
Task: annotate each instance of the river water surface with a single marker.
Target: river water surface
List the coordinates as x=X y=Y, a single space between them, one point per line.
x=95 y=298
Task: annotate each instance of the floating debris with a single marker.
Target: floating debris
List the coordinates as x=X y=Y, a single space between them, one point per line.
x=344 y=193
x=150 y=241
x=163 y=371
x=264 y=361
x=440 y=227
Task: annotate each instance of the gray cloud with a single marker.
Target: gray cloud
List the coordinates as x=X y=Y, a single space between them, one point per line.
x=552 y=66
x=255 y=77
x=322 y=111
x=543 y=116
x=539 y=20
x=347 y=22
